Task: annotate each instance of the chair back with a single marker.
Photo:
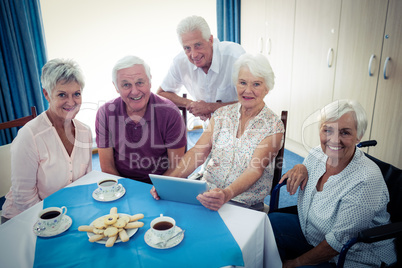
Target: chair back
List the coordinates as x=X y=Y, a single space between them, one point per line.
x=5 y=154
x=20 y=121
x=184 y=114
x=279 y=157
x=393 y=179
x=5 y=170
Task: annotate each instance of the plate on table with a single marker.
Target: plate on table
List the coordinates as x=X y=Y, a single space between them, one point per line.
x=98 y=196
x=151 y=240
x=130 y=232
x=65 y=223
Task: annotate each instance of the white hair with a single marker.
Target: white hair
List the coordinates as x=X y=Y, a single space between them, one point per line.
x=127 y=62
x=191 y=24
x=61 y=70
x=258 y=65
x=335 y=110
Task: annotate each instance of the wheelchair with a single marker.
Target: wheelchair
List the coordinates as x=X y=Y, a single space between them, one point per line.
x=393 y=179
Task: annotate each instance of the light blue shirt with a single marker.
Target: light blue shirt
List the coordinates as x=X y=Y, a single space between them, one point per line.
x=351 y=201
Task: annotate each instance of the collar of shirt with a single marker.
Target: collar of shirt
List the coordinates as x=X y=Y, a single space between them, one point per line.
x=147 y=115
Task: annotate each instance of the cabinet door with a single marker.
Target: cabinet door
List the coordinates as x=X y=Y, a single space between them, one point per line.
x=280 y=17
x=253 y=25
x=359 y=52
x=387 y=120
x=315 y=46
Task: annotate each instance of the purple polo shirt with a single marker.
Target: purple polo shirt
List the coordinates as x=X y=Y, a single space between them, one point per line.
x=140 y=148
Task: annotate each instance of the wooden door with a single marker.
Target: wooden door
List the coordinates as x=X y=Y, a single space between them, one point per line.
x=387 y=119
x=359 y=52
x=313 y=70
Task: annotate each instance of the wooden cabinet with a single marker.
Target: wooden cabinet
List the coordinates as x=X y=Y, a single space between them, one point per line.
x=253 y=26
x=387 y=119
x=313 y=70
x=359 y=52
x=267 y=27
x=279 y=33
x=324 y=50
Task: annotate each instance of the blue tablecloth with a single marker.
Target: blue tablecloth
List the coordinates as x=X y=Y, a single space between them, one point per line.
x=207 y=241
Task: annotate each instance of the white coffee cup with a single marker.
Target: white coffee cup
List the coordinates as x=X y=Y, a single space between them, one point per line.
x=109 y=187
x=50 y=218
x=163 y=227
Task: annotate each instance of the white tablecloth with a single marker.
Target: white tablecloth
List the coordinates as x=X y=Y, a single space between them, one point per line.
x=251 y=229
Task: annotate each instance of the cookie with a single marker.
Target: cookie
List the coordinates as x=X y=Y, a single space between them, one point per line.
x=99 y=223
x=110 y=241
x=96 y=238
x=110 y=219
x=123 y=235
x=85 y=228
x=120 y=223
x=132 y=225
x=111 y=231
x=136 y=217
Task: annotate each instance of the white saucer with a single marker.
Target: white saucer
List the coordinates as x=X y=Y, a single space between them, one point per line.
x=151 y=240
x=130 y=232
x=97 y=195
x=66 y=222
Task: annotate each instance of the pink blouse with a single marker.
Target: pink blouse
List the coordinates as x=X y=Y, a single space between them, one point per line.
x=40 y=164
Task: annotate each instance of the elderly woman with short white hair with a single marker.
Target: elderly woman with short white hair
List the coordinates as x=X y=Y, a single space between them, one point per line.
x=242 y=140
x=345 y=193
x=53 y=149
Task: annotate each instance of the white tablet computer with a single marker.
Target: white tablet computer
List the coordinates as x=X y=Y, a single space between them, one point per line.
x=178 y=189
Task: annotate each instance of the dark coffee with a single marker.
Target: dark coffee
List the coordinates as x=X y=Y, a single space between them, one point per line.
x=163 y=225
x=50 y=215
x=107 y=183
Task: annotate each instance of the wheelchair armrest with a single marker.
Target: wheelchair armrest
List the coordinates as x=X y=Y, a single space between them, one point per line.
x=371 y=235
x=380 y=233
x=367 y=143
x=274 y=201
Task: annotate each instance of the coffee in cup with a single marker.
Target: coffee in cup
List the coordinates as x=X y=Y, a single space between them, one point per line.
x=50 y=218
x=109 y=187
x=163 y=227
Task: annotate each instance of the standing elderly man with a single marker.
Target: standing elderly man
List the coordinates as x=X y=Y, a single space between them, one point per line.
x=204 y=68
x=139 y=132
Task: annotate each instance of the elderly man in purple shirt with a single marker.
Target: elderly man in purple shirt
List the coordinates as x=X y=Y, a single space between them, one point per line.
x=139 y=132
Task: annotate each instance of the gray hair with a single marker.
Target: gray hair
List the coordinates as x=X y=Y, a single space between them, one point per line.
x=191 y=24
x=258 y=66
x=127 y=62
x=61 y=70
x=338 y=108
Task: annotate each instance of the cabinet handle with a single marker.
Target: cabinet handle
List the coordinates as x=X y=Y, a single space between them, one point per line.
x=385 y=67
x=260 y=44
x=369 y=66
x=268 y=46
x=330 y=53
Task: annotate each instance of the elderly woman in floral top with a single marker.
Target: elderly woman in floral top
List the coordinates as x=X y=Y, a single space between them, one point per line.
x=242 y=140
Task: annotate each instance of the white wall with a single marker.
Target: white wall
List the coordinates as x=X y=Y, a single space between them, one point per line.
x=96 y=33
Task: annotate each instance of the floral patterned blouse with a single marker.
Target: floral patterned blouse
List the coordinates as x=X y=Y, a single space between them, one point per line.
x=230 y=156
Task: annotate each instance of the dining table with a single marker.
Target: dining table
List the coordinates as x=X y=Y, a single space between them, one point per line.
x=233 y=236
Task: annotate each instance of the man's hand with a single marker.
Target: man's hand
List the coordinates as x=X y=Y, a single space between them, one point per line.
x=200 y=108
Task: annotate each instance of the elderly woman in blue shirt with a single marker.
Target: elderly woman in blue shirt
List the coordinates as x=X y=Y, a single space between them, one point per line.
x=345 y=193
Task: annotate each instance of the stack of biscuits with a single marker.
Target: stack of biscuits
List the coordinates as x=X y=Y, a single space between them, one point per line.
x=112 y=226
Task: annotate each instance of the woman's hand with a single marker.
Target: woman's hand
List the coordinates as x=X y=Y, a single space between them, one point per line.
x=215 y=198
x=154 y=193
x=298 y=175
